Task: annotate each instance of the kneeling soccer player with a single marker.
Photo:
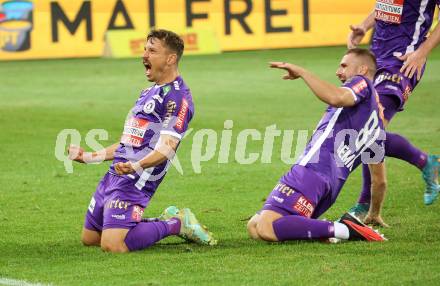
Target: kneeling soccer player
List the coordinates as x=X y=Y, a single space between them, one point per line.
x=151 y=135
x=350 y=131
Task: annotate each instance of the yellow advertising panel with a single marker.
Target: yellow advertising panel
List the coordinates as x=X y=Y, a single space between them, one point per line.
x=67 y=28
x=125 y=44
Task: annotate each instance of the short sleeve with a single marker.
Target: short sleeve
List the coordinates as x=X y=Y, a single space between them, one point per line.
x=358 y=86
x=176 y=115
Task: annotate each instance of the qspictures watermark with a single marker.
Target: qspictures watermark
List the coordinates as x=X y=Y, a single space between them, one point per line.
x=208 y=144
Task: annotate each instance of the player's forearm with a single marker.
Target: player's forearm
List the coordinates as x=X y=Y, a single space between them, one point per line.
x=105 y=154
x=165 y=149
x=325 y=91
x=430 y=43
x=369 y=22
x=155 y=158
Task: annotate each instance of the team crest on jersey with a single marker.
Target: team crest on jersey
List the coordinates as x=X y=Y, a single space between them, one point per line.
x=137 y=213
x=149 y=106
x=389 y=11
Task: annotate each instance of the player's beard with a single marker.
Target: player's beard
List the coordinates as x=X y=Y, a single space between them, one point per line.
x=156 y=74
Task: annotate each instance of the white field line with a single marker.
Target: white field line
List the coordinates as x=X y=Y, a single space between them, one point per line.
x=13 y=282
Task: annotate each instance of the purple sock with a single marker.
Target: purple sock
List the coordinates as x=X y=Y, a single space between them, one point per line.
x=145 y=234
x=365 y=195
x=399 y=147
x=294 y=227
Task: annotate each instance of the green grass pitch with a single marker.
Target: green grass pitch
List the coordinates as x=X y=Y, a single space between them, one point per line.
x=42 y=207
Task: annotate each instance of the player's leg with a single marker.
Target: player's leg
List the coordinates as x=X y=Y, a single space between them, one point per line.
x=113 y=240
x=90 y=237
x=146 y=233
x=397 y=146
x=252 y=227
x=141 y=236
x=391 y=106
x=273 y=226
x=286 y=212
x=123 y=229
x=290 y=215
x=91 y=233
x=264 y=225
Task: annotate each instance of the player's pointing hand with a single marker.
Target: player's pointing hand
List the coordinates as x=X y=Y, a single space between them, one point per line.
x=293 y=71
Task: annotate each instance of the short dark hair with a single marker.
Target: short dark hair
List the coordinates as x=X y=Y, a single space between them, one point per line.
x=367 y=56
x=171 y=40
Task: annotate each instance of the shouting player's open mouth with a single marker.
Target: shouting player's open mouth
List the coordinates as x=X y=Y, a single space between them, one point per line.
x=147 y=66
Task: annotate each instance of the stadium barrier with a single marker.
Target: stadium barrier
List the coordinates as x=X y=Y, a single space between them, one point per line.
x=65 y=28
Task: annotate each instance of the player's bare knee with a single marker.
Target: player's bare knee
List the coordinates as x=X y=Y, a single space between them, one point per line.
x=90 y=238
x=252 y=228
x=379 y=184
x=113 y=240
x=114 y=247
x=86 y=241
x=265 y=230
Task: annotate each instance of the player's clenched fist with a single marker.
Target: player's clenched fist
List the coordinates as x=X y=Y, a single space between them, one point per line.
x=76 y=153
x=126 y=168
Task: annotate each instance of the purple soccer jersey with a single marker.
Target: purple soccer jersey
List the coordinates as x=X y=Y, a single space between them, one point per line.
x=343 y=139
x=401 y=27
x=165 y=109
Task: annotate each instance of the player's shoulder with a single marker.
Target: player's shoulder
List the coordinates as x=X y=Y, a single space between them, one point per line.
x=359 y=83
x=146 y=90
x=177 y=90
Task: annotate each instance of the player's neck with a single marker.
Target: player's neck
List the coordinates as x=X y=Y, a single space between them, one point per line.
x=168 y=77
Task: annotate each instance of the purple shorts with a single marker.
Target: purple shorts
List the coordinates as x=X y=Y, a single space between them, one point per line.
x=117 y=203
x=305 y=195
x=390 y=82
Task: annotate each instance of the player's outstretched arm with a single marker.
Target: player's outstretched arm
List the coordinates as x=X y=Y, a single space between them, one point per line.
x=325 y=91
x=358 y=31
x=76 y=153
x=378 y=190
x=413 y=62
x=164 y=150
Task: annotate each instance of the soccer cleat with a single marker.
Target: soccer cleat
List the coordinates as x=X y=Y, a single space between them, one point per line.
x=430 y=176
x=169 y=212
x=360 y=231
x=360 y=210
x=190 y=228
